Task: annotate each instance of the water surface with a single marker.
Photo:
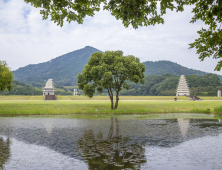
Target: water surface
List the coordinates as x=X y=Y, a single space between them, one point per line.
x=172 y=141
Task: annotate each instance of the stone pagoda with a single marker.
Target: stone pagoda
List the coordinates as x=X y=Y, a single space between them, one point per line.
x=182 y=89
x=49 y=90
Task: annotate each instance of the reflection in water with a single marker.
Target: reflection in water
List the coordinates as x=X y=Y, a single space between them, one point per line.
x=114 y=152
x=4 y=152
x=183 y=123
x=48 y=126
x=66 y=143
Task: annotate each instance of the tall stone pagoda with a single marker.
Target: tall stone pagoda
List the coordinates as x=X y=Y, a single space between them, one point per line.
x=182 y=89
x=49 y=90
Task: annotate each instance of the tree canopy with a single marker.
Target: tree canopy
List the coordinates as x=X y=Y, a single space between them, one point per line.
x=20 y=88
x=110 y=70
x=210 y=41
x=6 y=77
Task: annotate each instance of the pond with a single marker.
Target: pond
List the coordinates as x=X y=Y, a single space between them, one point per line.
x=157 y=142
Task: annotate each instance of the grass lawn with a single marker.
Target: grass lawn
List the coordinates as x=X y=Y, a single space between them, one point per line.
x=210 y=98
x=123 y=98
x=103 y=107
x=20 y=97
x=168 y=98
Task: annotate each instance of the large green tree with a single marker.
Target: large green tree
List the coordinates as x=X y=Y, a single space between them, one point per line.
x=144 y=13
x=6 y=77
x=110 y=70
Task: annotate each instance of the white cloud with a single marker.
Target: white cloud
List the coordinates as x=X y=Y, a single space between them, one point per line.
x=27 y=39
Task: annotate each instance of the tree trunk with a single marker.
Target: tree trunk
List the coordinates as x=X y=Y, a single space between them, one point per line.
x=117 y=99
x=111 y=97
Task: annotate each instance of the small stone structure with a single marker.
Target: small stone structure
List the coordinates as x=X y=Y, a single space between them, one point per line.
x=49 y=91
x=218 y=93
x=75 y=92
x=182 y=89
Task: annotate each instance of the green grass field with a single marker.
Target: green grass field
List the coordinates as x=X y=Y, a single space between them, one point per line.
x=168 y=98
x=12 y=107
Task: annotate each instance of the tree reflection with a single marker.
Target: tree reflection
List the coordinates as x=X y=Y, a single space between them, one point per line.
x=115 y=152
x=4 y=152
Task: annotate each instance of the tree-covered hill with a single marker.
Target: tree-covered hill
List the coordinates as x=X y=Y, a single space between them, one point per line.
x=64 y=69
x=161 y=67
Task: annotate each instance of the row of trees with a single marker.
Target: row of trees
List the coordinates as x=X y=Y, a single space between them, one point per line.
x=20 y=88
x=166 y=84
x=61 y=90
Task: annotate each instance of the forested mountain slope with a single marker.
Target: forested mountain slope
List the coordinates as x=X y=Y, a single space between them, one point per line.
x=64 y=69
x=161 y=67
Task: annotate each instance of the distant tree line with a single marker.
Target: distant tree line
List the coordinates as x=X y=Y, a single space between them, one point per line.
x=166 y=85
x=155 y=85
x=61 y=90
x=20 y=88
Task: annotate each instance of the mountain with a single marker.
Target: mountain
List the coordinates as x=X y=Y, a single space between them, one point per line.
x=64 y=69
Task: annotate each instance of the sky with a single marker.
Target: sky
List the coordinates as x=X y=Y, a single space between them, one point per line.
x=27 y=39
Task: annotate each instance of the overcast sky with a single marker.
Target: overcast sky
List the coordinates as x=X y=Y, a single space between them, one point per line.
x=27 y=39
